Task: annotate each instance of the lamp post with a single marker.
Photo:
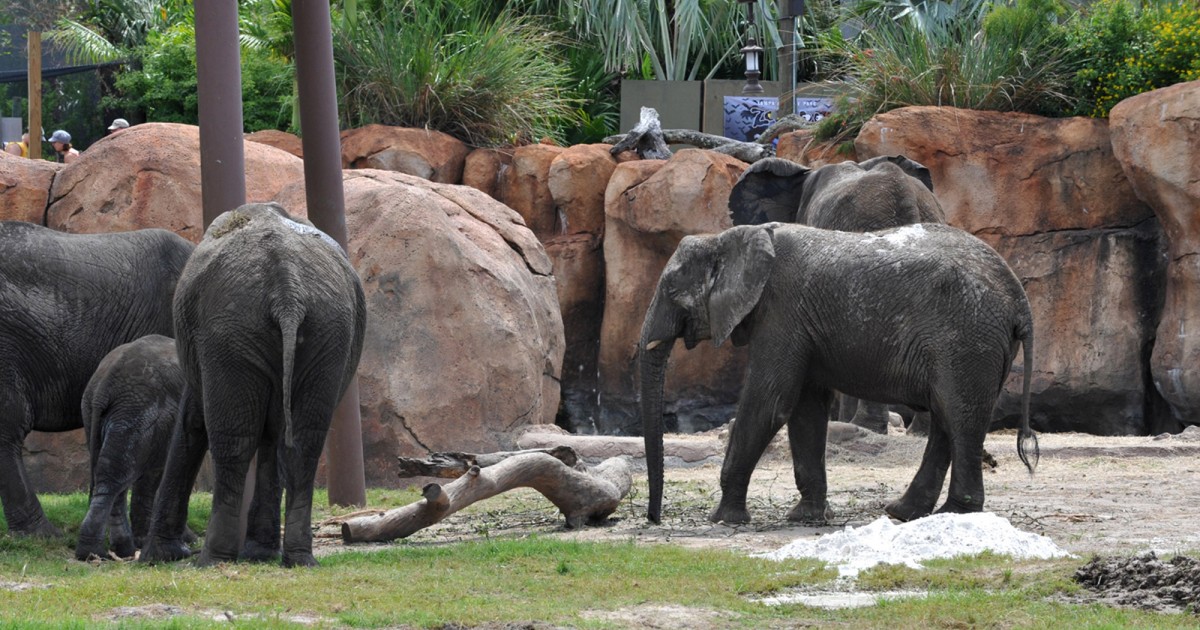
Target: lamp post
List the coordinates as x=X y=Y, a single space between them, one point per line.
x=752 y=53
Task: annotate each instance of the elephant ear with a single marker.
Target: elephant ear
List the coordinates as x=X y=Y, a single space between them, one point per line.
x=769 y=190
x=742 y=267
x=912 y=167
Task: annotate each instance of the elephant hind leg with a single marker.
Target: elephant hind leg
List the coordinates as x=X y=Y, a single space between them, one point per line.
x=966 y=473
x=923 y=492
x=165 y=540
x=262 y=525
x=807 y=431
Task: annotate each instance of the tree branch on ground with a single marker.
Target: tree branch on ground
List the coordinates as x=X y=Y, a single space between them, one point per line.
x=651 y=141
x=584 y=495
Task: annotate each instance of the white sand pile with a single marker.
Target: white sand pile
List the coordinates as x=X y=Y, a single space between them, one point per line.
x=938 y=536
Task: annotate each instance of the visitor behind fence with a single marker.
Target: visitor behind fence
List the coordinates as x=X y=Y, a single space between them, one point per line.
x=65 y=153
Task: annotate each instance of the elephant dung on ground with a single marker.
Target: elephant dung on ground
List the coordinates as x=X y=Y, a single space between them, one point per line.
x=269 y=320
x=925 y=315
x=67 y=300
x=876 y=194
x=129 y=410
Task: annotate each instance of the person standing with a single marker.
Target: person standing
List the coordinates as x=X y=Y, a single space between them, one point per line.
x=64 y=152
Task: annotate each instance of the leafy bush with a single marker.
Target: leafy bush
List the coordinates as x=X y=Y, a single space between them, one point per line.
x=1011 y=60
x=448 y=65
x=164 y=86
x=1124 y=51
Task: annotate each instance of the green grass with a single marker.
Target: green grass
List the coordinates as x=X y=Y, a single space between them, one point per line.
x=515 y=576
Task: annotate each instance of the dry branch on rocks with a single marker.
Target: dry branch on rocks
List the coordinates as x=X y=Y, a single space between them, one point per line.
x=584 y=495
x=650 y=140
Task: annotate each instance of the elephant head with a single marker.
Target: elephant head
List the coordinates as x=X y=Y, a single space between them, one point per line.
x=708 y=288
x=775 y=189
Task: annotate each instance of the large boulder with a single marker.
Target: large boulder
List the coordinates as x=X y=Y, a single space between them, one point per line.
x=1049 y=195
x=483 y=167
x=149 y=176
x=464 y=339
x=1156 y=138
x=650 y=205
x=25 y=188
x=283 y=140
x=801 y=147
x=424 y=153
x=524 y=187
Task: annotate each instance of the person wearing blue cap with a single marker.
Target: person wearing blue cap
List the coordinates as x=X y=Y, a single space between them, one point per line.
x=65 y=153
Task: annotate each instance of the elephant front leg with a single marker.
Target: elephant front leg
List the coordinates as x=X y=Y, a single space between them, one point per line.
x=22 y=511
x=764 y=406
x=807 y=431
x=300 y=472
x=871 y=416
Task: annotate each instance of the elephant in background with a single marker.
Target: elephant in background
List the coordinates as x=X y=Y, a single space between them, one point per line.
x=67 y=300
x=925 y=315
x=129 y=410
x=879 y=193
x=269 y=321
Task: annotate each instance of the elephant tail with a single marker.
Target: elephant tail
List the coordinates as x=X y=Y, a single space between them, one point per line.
x=289 y=322
x=1027 y=443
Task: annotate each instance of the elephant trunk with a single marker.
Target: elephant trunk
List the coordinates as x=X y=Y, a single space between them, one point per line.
x=658 y=336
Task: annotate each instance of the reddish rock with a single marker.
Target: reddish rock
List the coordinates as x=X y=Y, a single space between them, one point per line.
x=650 y=205
x=801 y=147
x=578 y=261
x=424 y=153
x=149 y=176
x=464 y=339
x=1051 y=197
x=524 y=187
x=1156 y=137
x=577 y=180
x=482 y=169
x=25 y=188
x=57 y=462
x=281 y=140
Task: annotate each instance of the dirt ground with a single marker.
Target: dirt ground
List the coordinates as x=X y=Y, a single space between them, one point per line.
x=1114 y=497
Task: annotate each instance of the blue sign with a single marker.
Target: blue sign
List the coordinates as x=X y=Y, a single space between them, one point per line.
x=747 y=117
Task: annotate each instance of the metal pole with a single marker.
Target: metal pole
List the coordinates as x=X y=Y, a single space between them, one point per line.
x=219 y=87
x=313 y=35
x=222 y=154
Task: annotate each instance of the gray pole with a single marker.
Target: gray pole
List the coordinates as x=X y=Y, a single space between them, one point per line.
x=219 y=87
x=313 y=35
x=786 y=58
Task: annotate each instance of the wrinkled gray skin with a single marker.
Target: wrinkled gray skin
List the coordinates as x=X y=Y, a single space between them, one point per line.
x=269 y=317
x=879 y=193
x=65 y=301
x=923 y=315
x=129 y=410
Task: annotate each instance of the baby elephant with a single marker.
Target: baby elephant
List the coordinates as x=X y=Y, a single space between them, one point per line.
x=129 y=410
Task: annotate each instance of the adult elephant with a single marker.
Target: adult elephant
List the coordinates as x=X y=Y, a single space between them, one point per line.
x=925 y=315
x=66 y=300
x=879 y=193
x=269 y=321
x=129 y=410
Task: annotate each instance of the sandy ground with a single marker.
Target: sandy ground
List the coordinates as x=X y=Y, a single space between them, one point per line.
x=1091 y=495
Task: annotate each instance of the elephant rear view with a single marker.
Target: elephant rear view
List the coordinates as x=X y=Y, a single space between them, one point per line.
x=66 y=300
x=923 y=315
x=269 y=321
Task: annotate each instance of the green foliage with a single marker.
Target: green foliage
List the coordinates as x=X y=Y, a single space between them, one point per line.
x=164 y=87
x=1016 y=61
x=1124 y=51
x=449 y=65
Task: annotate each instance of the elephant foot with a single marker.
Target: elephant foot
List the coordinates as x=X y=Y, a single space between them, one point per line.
x=730 y=514
x=40 y=528
x=123 y=548
x=966 y=506
x=810 y=513
x=189 y=536
x=299 y=559
x=163 y=550
x=255 y=551
x=904 y=512
x=86 y=548
x=208 y=557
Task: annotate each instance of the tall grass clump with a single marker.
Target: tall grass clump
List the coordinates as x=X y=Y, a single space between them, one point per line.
x=1013 y=58
x=453 y=66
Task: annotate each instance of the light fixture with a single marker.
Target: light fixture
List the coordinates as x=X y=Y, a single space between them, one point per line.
x=752 y=53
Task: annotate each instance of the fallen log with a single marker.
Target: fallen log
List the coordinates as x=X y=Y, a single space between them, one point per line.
x=587 y=496
x=650 y=141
